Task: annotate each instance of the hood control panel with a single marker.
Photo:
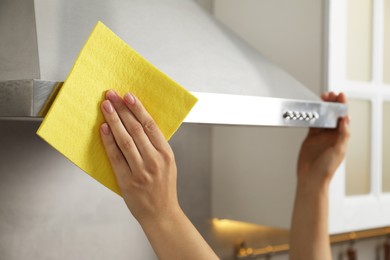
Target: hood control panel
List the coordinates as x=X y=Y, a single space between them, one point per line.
x=300 y=115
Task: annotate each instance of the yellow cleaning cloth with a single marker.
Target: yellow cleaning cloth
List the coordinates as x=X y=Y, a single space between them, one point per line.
x=106 y=62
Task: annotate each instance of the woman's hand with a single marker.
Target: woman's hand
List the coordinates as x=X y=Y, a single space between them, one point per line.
x=141 y=158
x=323 y=149
x=321 y=154
x=145 y=170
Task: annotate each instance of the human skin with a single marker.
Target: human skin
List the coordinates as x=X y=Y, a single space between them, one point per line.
x=145 y=170
x=321 y=153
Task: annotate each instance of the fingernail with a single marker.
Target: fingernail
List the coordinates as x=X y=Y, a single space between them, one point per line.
x=112 y=95
x=105 y=129
x=129 y=98
x=107 y=106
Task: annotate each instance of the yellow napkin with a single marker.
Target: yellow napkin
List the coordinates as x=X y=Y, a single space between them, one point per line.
x=106 y=62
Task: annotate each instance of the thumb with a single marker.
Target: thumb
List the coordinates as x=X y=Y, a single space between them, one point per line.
x=344 y=134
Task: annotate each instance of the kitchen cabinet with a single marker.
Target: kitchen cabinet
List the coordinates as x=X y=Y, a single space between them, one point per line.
x=358 y=65
x=343 y=46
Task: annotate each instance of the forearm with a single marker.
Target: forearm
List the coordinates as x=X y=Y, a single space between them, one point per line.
x=176 y=238
x=309 y=239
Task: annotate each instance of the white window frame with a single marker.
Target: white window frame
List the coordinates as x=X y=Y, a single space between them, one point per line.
x=351 y=213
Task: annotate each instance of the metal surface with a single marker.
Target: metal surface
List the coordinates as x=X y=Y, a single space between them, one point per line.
x=26 y=98
x=16 y=98
x=18 y=45
x=32 y=98
x=177 y=36
x=251 y=110
x=44 y=95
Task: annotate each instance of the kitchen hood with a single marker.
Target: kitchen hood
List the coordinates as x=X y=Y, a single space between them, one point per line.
x=234 y=83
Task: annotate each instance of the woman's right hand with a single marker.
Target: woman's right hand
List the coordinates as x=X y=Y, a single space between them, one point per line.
x=145 y=169
x=141 y=158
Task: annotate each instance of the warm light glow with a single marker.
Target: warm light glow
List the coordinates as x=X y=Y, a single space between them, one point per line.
x=236 y=232
x=232 y=224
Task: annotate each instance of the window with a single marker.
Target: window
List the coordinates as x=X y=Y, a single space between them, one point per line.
x=359 y=65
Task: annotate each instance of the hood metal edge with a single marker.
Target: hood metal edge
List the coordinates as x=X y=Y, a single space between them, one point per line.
x=21 y=99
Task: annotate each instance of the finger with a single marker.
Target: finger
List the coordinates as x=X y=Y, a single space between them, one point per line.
x=151 y=129
x=132 y=125
x=115 y=156
x=341 y=98
x=325 y=96
x=344 y=133
x=344 y=125
x=332 y=97
x=122 y=138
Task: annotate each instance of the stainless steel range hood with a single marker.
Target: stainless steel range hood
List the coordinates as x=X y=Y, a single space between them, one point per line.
x=234 y=83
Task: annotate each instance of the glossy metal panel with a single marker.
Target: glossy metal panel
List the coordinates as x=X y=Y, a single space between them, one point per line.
x=16 y=98
x=18 y=44
x=211 y=108
x=26 y=98
x=177 y=36
x=250 y=110
x=44 y=94
x=186 y=43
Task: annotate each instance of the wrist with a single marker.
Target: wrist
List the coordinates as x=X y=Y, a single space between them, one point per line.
x=164 y=221
x=310 y=188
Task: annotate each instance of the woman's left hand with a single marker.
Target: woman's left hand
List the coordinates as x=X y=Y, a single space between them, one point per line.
x=324 y=149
